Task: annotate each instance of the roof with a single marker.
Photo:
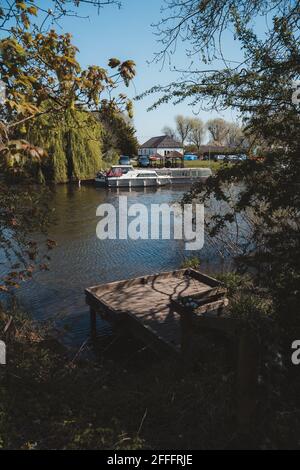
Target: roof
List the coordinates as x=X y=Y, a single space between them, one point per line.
x=163 y=141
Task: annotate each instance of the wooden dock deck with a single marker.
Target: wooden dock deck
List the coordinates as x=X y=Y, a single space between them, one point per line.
x=159 y=310
x=145 y=305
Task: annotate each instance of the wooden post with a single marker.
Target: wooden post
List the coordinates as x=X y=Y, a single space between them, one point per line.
x=93 y=324
x=247 y=377
x=186 y=328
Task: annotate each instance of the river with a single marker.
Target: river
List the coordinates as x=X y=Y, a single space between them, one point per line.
x=81 y=259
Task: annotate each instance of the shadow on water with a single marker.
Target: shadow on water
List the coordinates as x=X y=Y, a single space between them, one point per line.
x=81 y=260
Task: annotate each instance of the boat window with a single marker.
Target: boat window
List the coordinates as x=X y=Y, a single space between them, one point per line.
x=146 y=175
x=119 y=170
x=115 y=172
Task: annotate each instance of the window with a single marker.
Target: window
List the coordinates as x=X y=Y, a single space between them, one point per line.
x=120 y=170
x=147 y=175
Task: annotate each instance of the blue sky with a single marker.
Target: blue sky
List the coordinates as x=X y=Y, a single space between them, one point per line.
x=126 y=33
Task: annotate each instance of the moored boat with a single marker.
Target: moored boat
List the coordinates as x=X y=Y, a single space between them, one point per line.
x=115 y=171
x=126 y=176
x=134 y=178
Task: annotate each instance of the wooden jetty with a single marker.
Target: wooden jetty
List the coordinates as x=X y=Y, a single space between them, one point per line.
x=160 y=311
x=145 y=306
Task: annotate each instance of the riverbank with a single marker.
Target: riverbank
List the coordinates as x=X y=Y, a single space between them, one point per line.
x=124 y=397
x=215 y=166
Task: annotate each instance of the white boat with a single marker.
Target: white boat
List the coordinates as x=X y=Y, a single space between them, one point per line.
x=115 y=171
x=125 y=176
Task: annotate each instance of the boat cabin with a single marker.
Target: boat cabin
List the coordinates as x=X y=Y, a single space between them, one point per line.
x=119 y=170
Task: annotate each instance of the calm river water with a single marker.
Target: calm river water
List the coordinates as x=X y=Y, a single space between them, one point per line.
x=81 y=259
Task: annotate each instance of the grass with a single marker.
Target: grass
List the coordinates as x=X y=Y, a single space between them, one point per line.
x=125 y=397
x=202 y=164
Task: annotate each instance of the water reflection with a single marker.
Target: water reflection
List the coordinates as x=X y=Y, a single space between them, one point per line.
x=81 y=259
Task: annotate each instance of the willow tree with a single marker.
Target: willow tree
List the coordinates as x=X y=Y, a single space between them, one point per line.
x=43 y=78
x=73 y=142
x=44 y=83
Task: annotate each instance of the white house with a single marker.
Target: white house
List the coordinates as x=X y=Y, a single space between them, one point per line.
x=162 y=145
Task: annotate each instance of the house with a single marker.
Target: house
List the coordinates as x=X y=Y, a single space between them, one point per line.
x=162 y=145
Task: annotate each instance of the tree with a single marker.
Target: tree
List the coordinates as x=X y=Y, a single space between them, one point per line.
x=225 y=133
x=21 y=12
x=197 y=132
x=218 y=130
x=166 y=130
x=183 y=128
x=42 y=76
x=235 y=137
x=73 y=142
x=118 y=133
x=44 y=83
x=260 y=88
x=39 y=68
